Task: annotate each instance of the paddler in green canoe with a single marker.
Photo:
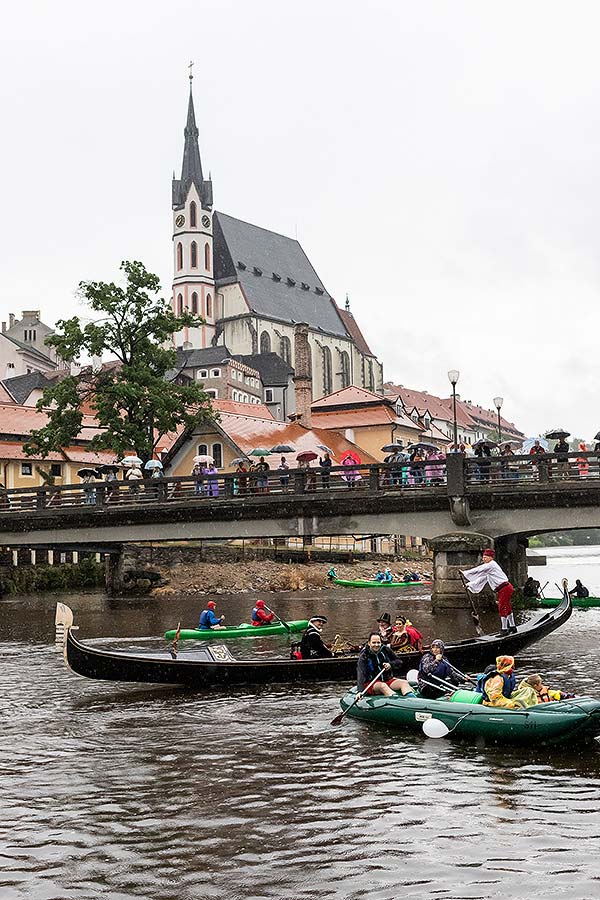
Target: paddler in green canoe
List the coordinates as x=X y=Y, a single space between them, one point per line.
x=209 y=621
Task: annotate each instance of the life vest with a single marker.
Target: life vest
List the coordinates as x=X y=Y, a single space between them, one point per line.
x=205 y=619
x=509 y=682
x=375 y=663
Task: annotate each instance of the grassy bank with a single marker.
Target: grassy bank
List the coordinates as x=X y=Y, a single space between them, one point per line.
x=64 y=577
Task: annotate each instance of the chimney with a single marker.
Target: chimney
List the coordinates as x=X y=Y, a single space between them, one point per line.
x=303 y=376
x=4 y=328
x=11 y=320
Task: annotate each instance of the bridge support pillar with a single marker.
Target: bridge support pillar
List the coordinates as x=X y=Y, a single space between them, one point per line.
x=511 y=555
x=451 y=552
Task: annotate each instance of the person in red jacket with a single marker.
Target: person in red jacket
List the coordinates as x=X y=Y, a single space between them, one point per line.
x=259 y=616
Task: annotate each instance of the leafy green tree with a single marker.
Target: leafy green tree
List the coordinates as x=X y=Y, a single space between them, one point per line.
x=137 y=400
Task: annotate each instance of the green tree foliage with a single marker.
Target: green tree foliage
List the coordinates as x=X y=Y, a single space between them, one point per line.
x=135 y=401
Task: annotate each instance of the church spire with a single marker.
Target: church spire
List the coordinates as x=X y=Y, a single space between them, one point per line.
x=191 y=169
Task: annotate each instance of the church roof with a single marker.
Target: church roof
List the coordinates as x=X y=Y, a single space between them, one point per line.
x=275 y=273
x=191 y=169
x=204 y=356
x=354 y=331
x=272 y=368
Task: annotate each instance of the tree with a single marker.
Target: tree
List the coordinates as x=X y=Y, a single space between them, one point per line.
x=135 y=396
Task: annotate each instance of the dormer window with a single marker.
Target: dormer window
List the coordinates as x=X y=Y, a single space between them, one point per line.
x=319 y=291
x=290 y=281
x=276 y=277
x=257 y=271
x=305 y=286
x=241 y=265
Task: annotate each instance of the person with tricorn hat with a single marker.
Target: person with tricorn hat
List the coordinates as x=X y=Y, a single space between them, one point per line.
x=490 y=573
x=312 y=645
x=385 y=627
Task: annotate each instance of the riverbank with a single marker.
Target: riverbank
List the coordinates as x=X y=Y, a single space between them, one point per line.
x=267 y=575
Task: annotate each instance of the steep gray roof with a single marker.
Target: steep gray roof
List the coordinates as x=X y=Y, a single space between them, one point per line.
x=191 y=169
x=208 y=356
x=272 y=368
x=21 y=386
x=275 y=273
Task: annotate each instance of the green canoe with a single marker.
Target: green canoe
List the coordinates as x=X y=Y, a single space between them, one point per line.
x=578 y=602
x=379 y=584
x=237 y=631
x=548 y=723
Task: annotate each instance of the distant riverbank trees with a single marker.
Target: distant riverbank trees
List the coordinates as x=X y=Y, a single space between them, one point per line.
x=580 y=537
x=134 y=394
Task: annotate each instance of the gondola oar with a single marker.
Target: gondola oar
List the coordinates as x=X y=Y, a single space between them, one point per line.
x=338 y=719
x=542 y=589
x=173 y=647
x=474 y=614
x=279 y=619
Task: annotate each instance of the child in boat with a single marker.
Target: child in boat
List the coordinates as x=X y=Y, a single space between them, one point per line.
x=543 y=693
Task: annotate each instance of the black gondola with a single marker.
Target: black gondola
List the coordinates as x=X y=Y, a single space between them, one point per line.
x=216 y=667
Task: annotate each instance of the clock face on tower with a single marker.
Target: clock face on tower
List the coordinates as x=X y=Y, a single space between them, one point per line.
x=180 y=221
x=205 y=221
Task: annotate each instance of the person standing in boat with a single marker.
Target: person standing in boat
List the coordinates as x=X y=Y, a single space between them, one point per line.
x=490 y=573
x=432 y=666
x=209 y=621
x=259 y=616
x=312 y=645
x=580 y=591
x=372 y=659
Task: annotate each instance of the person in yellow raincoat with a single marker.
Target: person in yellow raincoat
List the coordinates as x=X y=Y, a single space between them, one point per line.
x=500 y=684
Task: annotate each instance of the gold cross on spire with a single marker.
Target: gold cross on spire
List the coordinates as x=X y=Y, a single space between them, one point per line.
x=190 y=67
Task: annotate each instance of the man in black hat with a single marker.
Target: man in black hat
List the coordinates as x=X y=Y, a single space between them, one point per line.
x=385 y=627
x=312 y=645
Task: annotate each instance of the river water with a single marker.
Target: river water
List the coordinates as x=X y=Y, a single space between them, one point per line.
x=125 y=791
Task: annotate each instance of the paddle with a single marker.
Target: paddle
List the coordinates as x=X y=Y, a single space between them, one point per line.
x=542 y=589
x=338 y=719
x=474 y=614
x=279 y=619
x=173 y=647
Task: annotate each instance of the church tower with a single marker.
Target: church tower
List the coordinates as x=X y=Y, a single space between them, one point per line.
x=193 y=280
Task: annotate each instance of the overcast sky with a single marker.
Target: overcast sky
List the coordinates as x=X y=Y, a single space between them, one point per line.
x=438 y=161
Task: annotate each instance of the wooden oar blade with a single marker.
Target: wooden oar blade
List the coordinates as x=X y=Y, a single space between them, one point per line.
x=337 y=720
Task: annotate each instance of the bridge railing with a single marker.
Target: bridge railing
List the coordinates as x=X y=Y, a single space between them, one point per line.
x=542 y=468
x=357 y=478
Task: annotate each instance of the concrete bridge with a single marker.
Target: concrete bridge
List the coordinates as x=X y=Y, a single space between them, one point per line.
x=504 y=502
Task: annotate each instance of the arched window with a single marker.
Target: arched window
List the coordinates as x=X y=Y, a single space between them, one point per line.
x=371 y=379
x=207 y=256
x=327 y=380
x=193 y=214
x=180 y=304
x=208 y=306
x=285 y=349
x=345 y=373
x=180 y=256
x=265 y=342
x=195 y=303
x=194 y=255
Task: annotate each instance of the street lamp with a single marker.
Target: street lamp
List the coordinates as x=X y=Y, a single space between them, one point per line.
x=453 y=375
x=498 y=401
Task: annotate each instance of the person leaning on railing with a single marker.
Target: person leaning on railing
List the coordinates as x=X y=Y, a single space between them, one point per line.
x=561 y=448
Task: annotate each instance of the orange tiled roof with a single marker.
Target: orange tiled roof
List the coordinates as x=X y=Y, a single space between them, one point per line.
x=256 y=410
x=423 y=402
x=350 y=395
x=362 y=418
x=354 y=331
x=10 y=450
x=22 y=420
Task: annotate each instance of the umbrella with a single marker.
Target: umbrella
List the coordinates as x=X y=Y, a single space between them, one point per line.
x=131 y=461
x=484 y=442
x=327 y=450
x=283 y=448
x=238 y=460
x=528 y=444
x=392 y=448
x=306 y=456
x=203 y=458
x=353 y=456
x=423 y=445
x=107 y=467
x=260 y=451
x=153 y=464
x=84 y=473
x=557 y=434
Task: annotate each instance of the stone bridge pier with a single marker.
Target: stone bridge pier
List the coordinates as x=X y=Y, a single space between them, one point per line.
x=463 y=550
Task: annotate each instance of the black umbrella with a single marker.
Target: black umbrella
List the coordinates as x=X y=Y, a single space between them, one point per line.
x=484 y=442
x=423 y=445
x=283 y=448
x=597 y=436
x=84 y=473
x=392 y=448
x=108 y=467
x=557 y=434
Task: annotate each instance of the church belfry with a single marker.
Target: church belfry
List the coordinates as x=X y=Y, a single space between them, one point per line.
x=193 y=281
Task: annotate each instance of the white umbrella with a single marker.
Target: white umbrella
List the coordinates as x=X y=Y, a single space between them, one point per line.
x=203 y=458
x=153 y=464
x=131 y=461
x=528 y=444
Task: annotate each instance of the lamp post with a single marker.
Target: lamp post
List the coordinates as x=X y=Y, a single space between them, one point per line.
x=498 y=401
x=453 y=376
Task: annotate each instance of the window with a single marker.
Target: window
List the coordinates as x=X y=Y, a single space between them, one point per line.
x=268 y=395
x=56 y=470
x=265 y=342
x=371 y=379
x=26 y=468
x=10 y=365
x=285 y=349
x=345 y=373
x=194 y=255
x=235 y=395
x=208 y=306
x=202 y=449
x=207 y=256
x=215 y=373
x=203 y=373
x=212 y=393
x=217 y=455
x=326 y=370
x=180 y=304
x=195 y=303
x=179 y=256
x=193 y=214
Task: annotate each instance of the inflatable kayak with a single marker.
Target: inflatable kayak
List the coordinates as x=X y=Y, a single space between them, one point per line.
x=237 y=631
x=578 y=602
x=378 y=584
x=549 y=723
